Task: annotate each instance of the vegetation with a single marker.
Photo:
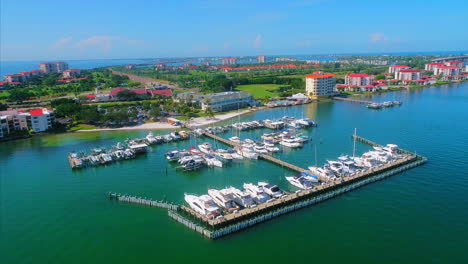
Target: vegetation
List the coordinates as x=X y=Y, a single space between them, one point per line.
x=260 y=91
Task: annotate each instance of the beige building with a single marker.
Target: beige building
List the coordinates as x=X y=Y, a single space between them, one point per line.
x=225 y=101
x=397 y=68
x=50 y=67
x=320 y=84
x=261 y=58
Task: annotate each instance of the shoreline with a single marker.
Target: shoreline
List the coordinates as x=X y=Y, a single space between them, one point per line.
x=196 y=122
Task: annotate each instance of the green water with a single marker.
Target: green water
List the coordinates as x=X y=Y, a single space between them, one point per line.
x=51 y=214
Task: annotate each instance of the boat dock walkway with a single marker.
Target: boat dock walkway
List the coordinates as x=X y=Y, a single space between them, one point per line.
x=353 y=100
x=139 y=200
x=266 y=157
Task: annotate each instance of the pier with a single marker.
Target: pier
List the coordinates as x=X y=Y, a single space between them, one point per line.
x=139 y=200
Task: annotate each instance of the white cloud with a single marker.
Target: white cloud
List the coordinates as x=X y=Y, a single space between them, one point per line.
x=258 y=41
x=62 y=43
x=104 y=43
x=378 y=37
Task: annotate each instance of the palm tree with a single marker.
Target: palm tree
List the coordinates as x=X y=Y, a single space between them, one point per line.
x=209 y=112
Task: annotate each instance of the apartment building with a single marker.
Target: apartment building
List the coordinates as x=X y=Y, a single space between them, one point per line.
x=53 y=67
x=320 y=84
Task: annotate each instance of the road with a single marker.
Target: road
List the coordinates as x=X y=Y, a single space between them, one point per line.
x=145 y=80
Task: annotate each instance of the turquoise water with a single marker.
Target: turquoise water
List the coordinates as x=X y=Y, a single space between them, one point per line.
x=51 y=214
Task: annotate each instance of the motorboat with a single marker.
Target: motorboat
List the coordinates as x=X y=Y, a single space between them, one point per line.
x=192 y=164
x=236 y=140
x=205 y=147
x=243 y=199
x=310 y=177
x=223 y=155
x=234 y=154
x=151 y=139
x=176 y=155
x=300 y=182
x=211 y=161
x=247 y=153
x=260 y=148
x=322 y=171
x=290 y=142
x=203 y=205
x=257 y=193
x=224 y=198
x=105 y=158
x=270 y=189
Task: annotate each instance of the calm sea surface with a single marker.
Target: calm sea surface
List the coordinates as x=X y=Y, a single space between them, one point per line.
x=51 y=214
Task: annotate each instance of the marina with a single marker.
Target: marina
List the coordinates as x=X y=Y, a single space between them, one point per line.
x=370 y=104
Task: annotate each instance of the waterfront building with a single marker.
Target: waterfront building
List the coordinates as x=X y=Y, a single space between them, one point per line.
x=15 y=78
x=53 y=67
x=38 y=120
x=432 y=66
x=359 y=79
x=455 y=63
x=408 y=75
x=229 y=61
x=397 y=68
x=71 y=73
x=261 y=58
x=320 y=84
x=225 y=101
x=448 y=72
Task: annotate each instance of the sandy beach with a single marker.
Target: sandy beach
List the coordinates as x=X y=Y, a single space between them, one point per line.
x=199 y=121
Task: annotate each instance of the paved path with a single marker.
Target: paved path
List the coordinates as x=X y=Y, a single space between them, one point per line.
x=145 y=80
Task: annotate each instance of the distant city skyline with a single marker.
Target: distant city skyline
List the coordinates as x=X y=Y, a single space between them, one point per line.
x=49 y=30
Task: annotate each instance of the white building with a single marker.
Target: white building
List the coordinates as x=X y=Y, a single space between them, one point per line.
x=397 y=68
x=226 y=101
x=229 y=61
x=432 y=66
x=408 y=75
x=320 y=84
x=359 y=79
x=448 y=71
x=455 y=63
x=71 y=73
x=261 y=58
x=40 y=119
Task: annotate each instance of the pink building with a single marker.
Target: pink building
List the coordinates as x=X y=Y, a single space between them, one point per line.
x=397 y=68
x=71 y=73
x=359 y=79
x=408 y=75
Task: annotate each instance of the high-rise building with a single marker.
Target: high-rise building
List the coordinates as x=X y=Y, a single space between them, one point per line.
x=49 y=67
x=261 y=58
x=408 y=75
x=397 y=68
x=320 y=84
x=359 y=79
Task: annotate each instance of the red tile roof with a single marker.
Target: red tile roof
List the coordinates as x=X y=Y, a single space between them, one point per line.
x=163 y=92
x=400 y=66
x=358 y=75
x=139 y=91
x=116 y=90
x=448 y=67
x=36 y=112
x=410 y=71
x=435 y=63
x=318 y=75
x=455 y=61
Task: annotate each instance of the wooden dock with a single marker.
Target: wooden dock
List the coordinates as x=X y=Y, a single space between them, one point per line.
x=144 y=201
x=267 y=157
x=353 y=100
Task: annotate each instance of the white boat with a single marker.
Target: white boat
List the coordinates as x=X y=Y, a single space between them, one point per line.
x=323 y=172
x=290 y=142
x=151 y=139
x=205 y=147
x=176 y=155
x=203 y=205
x=192 y=164
x=243 y=199
x=105 y=158
x=211 y=161
x=271 y=189
x=235 y=155
x=257 y=193
x=260 y=149
x=224 y=198
x=223 y=155
x=300 y=182
x=236 y=140
x=247 y=153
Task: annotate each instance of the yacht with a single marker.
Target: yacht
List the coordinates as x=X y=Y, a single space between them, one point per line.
x=257 y=193
x=301 y=139
x=260 y=148
x=203 y=205
x=374 y=106
x=234 y=154
x=151 y=139
x=322 y=171
x=243 y=199
x=176 y=155
x=290 y=142
x=269 y=146
x=271 y=190
x=205 y=147
x=223 y=155
x=247 y=153
x=192 y=164
x=236 y=140
x=224 y=198
x=105 y=158
x=167 y=138
x=211 y=161
x=300 y=182
x=310 y=177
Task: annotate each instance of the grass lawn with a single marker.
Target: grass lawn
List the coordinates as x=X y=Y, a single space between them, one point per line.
x=261 y=90
x=82 y=127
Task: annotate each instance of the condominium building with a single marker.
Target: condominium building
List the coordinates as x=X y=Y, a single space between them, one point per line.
x=226 y=101
x=71 y=73
x=397 y=68
x=51 y=67
x=447 y=71
x=229 y=61
x=408 y=75
x=359 y=79
x=38 y=120
x=15 y=78
x=320 y=84
x=261 y=58
x=455 y=63
x=432 y=66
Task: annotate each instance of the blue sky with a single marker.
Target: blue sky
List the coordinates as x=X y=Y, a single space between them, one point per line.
x=49 y=29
